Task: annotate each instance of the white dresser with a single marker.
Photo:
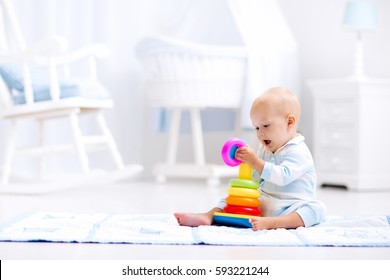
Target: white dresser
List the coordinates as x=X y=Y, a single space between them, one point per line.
x=352 y=132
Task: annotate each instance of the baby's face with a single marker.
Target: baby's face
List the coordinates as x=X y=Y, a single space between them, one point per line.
x=271 y=127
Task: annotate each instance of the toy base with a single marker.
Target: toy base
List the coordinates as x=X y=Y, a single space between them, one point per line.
x=234 y=220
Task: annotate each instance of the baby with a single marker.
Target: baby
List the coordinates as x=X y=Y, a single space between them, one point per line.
x=283 y=165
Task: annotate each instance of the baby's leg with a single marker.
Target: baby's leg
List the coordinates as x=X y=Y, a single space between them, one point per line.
x=196 y=219
x=290 y=221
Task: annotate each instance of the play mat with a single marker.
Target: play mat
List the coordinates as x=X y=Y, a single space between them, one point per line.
x=367 y=231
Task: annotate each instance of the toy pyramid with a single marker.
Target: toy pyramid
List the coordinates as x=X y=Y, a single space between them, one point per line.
x=242 y=202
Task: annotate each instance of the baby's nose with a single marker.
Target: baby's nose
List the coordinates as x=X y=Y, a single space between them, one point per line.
x=260 y=133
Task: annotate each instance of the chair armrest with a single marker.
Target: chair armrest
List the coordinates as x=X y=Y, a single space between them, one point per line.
x=88 y=54
x=47 y=47
x=97 y=50
x=53 y=47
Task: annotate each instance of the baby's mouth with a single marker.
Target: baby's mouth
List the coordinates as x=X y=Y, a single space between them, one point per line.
x=267 y=142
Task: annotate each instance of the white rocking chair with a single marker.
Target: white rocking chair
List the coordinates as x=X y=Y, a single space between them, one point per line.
x=36 y=83
x=181 y=75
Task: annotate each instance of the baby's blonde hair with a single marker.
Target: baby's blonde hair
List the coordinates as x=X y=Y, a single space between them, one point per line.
x=282 y=99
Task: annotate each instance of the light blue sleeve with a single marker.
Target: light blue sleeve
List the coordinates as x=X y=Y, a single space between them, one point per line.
x=293 y=166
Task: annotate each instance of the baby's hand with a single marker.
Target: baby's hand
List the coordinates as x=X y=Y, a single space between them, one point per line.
x=246 y=154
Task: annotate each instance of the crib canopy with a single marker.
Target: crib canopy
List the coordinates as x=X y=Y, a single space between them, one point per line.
x=258 y=25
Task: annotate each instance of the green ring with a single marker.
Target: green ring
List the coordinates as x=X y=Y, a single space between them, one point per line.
x=242 y=183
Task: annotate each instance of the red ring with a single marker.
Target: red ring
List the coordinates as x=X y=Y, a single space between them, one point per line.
x=233 y=209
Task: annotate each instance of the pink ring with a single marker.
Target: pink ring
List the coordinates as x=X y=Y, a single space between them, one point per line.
x=229 y=150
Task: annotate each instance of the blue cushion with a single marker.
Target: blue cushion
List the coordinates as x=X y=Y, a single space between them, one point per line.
x=12 y=75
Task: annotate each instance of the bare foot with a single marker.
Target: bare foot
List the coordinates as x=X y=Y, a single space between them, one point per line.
x=194 y=219
x=290 y=221
x=260 y=223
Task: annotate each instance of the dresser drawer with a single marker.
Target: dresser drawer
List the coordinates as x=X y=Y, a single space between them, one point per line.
x=336 y=137
x=335 y=160
x=346 y=148
x=336 y=111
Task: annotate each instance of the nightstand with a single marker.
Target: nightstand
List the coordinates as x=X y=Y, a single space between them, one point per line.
x=351 y=144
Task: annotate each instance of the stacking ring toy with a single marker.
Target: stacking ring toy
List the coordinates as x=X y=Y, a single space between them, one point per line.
x=251 y=193
x=229 y=151
x=242 y=201
x=245 y=171
x=240 y=183
x=253 y=211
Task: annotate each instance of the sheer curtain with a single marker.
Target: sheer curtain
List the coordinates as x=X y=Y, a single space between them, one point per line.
x=272 y=49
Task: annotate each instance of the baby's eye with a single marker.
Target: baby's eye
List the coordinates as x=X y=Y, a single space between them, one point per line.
x=257 y=128
x=266 y=125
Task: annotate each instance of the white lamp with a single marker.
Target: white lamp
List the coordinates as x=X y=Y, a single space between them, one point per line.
x=359 y=16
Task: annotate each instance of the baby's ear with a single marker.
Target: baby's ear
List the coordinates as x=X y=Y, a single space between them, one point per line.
x=291 y=120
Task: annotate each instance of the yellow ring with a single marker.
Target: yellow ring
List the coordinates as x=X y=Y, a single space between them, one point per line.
x=244 y=192
x=240 y=183
x=242 y=201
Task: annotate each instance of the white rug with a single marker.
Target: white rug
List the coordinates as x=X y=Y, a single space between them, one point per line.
x=368 y=231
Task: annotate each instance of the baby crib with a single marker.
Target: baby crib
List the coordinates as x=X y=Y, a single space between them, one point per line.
x=182 y=75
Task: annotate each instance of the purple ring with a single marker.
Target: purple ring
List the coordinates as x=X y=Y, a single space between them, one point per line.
x=229 y=150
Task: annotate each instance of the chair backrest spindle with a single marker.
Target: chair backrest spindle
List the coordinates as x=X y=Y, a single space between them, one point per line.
x=28 y=91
